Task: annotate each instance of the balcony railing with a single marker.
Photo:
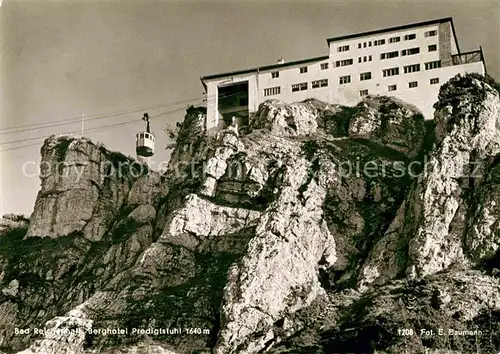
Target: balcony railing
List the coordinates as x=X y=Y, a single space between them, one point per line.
x=469 y=57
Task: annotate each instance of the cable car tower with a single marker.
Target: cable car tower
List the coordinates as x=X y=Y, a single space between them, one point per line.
x=145 y=141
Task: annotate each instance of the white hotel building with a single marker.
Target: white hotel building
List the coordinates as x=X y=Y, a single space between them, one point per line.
x=409 y=62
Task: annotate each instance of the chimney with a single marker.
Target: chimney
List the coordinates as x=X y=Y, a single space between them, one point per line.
x=281 y=60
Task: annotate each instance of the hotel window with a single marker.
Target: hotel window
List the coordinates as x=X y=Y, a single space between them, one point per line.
x=364 y=45
x=369 y=58
x=344 y=79
x=303 y=69
x=365 y=76
x=359 y=45
x=379 y=42
x=432 y=48
x=410 y=51
x=319 y=83
x=411 y=68
x=390 y=72
x=323 y=66
x=413 y=84
x=344 y=62
x=343 y=48
x=389 y=55
x=434 y=80
x=272 y=91
x=392 y=88
x=359 y=60
x=363 y=93
x=369 y=43
x=409 y=37
x=433 y=65
x=394 y=39
x=275 y=74
x=430 y=33
x=299 y=87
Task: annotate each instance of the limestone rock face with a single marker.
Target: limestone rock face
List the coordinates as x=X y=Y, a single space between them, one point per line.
x=84 y=186
x=456 y=305
x=201 y=220
x=390 y=122
x=63 y=334
x=280 y=263
x=441 y=216
x=286 y=120
x=190 y=144
x=70 y=173
x=11 y=289
x=316 y=227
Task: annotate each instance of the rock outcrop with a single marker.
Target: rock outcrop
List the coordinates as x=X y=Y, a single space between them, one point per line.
x=320 y=228
x=84 y=186
x=439 y=220
x=391 y=123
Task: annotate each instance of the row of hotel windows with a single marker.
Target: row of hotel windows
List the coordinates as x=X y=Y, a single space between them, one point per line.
x=303 y=86
x=271 y=91
x=393 y=71
x=404 y=52
x=362 y=77
x=346 y=62
x=388 y=55
x=411 y=84
x=408 y=37
x=412 y=68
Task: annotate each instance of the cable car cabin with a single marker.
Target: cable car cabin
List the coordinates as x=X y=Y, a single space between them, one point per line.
x=145 y=144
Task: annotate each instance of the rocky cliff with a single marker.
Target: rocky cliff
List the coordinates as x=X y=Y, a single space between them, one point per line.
x=320 y=228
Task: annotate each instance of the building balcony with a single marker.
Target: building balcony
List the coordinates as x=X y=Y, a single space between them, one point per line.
x=465 y=58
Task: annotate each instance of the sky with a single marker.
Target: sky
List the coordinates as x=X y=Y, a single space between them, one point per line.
x=60 y=60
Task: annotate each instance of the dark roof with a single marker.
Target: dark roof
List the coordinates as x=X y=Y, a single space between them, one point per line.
x=229 y=73
x=297 y=62
x=397 y=28
x=262 y=68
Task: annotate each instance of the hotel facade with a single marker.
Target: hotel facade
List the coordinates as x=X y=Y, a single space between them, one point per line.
x=409 y=62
